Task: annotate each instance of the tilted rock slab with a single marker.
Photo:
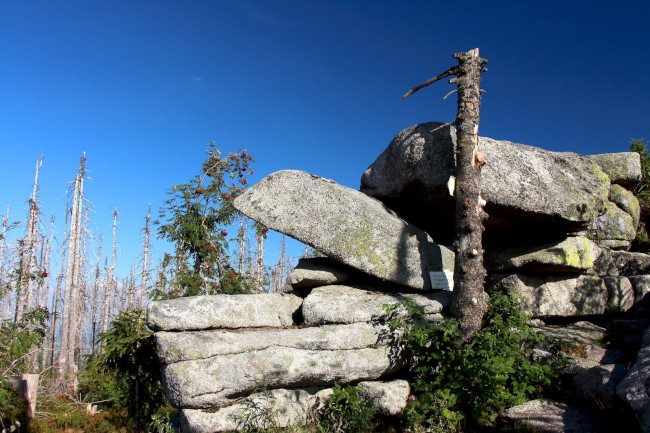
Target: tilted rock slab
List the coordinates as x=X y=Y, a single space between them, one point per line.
x=350 y=304
x=285 y=359
x=347 y=226
x=525 y=187
x=273 y=310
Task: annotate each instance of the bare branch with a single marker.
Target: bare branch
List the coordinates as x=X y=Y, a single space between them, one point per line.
x=448 y=72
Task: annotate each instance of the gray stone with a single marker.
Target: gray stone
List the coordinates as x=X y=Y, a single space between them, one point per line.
x=620 y=294
x=347 y=226
x=277 y=408
x=635 y=387
x=627 y=201
x=623 y=168
x=622 y=263
x=222 y=380
x=556 y=296
x=524 y=186
x=547 y=416
x=389 y=397
x=580 y=333
x=572 y=255
x=317 y=271
x=274 y=310
x=596 y=387
x=183 y=346
x=614 y=228
x=350 y=304
x=641 y=286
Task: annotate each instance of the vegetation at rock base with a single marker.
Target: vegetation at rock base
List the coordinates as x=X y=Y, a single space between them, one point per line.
x=127 y=371
x=642 y=193
x=464 y=386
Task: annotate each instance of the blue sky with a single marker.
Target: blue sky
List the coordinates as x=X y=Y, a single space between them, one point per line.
x=143 y=86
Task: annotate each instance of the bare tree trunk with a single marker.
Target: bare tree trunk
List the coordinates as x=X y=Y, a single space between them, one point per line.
x=468 y=301
x=25 y=286
x=72 y=277
x=4 y=311
x=95 y=298
x=145 y=259
x=259 y=265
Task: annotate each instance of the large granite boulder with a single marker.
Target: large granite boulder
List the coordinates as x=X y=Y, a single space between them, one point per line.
x=524 y=186
x=347 y=226
x=317 y=271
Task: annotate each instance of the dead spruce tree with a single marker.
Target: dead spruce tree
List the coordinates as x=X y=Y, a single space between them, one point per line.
x=468 y=303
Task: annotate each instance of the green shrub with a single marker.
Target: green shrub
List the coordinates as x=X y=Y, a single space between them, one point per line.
x=347 y=412
x=464 y=386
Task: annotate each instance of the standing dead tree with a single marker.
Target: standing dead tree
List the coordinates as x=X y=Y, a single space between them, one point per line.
x=468 y=302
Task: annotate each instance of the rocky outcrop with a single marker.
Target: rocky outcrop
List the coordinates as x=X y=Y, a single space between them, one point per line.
x=524 y=186
x=347 y=226
x=557 y=234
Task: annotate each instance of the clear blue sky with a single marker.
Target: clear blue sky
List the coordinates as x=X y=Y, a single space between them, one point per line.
x=143 y=86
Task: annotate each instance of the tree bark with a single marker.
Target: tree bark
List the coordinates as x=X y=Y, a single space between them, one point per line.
x=468 y=302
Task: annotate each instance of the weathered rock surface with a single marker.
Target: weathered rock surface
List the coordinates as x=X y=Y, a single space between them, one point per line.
x=284 y=407
x=620 y=294
x=547 y=416
x=183 y=346
x=614 y=229
x=572 y=255
x=641 y=287
x=524 y=186
x=317 y=271
x=622 y=263
x=221 y=380
x=350 y=304
x=556 y=296
x=346 y=225
x=623 y=168
x=274 y=408
x=581 y=333
x=596 y=387
x=274 y=310
x=635 y=387
x=389 y=397
x=626 y=201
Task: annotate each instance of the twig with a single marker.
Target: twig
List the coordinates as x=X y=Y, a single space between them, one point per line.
x=448 y=72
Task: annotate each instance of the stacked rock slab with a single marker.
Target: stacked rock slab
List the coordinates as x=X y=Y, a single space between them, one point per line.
x=218 y=353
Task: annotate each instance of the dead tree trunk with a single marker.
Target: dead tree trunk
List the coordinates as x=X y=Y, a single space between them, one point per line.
x=468 y=302
x=145 y=259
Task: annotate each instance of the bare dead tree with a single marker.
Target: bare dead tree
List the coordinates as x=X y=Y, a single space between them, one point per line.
x=25 y=284
x=145 y=257
x=468 y=301
x=72 y=280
